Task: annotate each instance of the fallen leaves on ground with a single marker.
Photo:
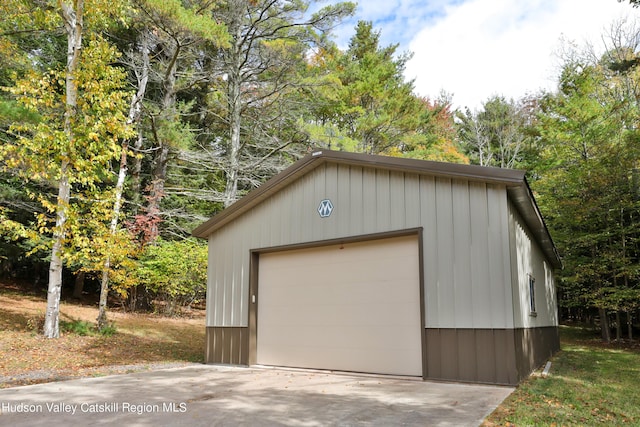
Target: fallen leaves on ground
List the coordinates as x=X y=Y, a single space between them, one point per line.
x=141 y=341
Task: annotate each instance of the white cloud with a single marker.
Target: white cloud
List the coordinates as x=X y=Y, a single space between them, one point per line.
x=481 y=48
x=397 y=20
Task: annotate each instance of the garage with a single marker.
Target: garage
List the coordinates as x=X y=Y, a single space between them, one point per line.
x=347 y=307
x=364 y=263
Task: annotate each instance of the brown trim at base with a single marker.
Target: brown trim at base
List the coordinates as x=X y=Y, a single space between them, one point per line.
x=534 y=347
x=491 y=356
x=494 y=356
x=227 y=345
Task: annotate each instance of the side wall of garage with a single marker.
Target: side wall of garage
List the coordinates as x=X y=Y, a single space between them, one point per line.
x=534 y=298
x=466 y=260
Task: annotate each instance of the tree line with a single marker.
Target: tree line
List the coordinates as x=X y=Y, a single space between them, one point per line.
x=125 y=123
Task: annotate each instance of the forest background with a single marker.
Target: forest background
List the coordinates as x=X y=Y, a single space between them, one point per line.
x=126 y=123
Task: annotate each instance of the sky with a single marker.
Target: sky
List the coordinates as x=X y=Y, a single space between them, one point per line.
x=474 y=49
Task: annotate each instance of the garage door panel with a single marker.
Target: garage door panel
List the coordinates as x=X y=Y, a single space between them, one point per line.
x=343 y=314
x=339 y=358
x=359 y=291
x=327 y=338
x=353 y=307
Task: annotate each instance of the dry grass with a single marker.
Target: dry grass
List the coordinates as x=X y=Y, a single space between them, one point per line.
x=140 y=340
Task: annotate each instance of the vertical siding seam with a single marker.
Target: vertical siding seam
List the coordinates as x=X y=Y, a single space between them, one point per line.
x=506 y=228
x=428 y=185
x=225 y=306
x=488 y=231
x=472 y=279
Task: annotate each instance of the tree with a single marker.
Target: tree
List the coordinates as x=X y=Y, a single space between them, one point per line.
x=78 y=137
x=493 y=136
x=176 y=271
x=182 y=28
x=253 y=109
x=176 y=33
x=72 y=17
x=379 y=107
x=435 y=137
x=588 y=195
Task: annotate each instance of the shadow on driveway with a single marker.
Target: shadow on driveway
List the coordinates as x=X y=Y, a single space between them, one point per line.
x=203 y=395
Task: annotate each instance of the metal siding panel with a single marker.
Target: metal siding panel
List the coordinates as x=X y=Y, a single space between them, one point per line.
x=233 y=347
x=530 y=260
x=505 y=345
x=343 y=202
x=227 y=286
x=383 y=201
x=295 y=201
x=369 y=204
x=434 y=355
x=430 y=242
x=475 y=355
x=218 y=345
x=516 y=279
x=446 y=256
x=213 y=305
x=237 y=301
x=211 y=283
x=224 y=293
x=504 y=264
x=327 y=188
x=412 y=200
x=500 y=271
x=462 y=253
x=318 y=188
x=307 y=206
x=449 y=353
x=226 y=345
x=242 y=290
x=263 y=232
x=550 y=292
x=485 y=353
x=397 y=206
x=356 y=201
x=230 y=288
x=480 y=256
x=467 y=363
x=286 y=215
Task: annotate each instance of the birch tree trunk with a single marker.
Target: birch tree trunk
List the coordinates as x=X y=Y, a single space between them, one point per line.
x=135 y=115
x=113 y=227
x=72 y=16
x=135 y=111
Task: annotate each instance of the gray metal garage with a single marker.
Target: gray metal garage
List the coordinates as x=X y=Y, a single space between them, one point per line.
x=363 y=263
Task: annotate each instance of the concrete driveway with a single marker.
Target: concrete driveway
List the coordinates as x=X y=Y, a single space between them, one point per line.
x=204 y=395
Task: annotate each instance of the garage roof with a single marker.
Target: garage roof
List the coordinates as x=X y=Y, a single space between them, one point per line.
x=518 y=189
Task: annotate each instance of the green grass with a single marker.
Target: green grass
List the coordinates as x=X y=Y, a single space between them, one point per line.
x=589 y=384
x=84 y=328
x=78 y=327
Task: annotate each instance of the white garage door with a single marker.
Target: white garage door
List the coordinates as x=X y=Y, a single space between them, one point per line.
x=352 y=307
